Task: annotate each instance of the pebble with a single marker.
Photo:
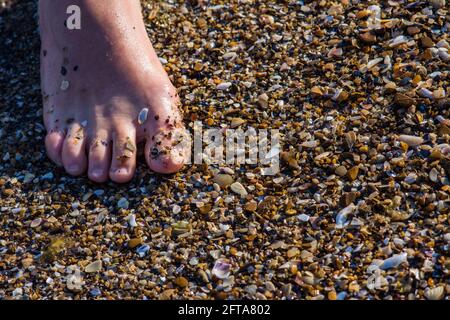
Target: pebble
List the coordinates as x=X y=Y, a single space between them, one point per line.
x=352 y=173
x=182 y=282
x=341 y=171
x=48 y=176
x=404 y=100
x=133 y=243
x=238 y=188
x=223 y=180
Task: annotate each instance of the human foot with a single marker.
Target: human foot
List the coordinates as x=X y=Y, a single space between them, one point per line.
x=96 y=83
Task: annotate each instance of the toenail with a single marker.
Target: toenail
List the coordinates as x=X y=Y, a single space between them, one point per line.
x=97 y=173
x=121 y=171
x=73 y=168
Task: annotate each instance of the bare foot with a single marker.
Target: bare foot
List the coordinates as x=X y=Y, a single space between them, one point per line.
x=96 y=82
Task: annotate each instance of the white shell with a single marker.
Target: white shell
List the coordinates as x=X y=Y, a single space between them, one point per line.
x=394 y=261
x=374 y=62
x=341 y=217
x=435 y=293
x=221 y=269
x=143 y=115
x=223 y=86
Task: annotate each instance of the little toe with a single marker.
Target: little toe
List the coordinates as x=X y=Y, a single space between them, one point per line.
x=167 y=151
x=54 y=144
x=123 y=162
x=99 y=157
x=73 y=151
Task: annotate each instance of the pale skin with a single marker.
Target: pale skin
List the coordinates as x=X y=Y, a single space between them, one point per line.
x=95 y=82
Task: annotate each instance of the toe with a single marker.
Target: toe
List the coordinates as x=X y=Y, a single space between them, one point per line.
x=54 y=144
x=99 y=157
x=123 y=162
x=73 y=151
x=167 y=151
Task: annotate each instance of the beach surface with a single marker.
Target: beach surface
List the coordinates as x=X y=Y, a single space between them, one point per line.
x=358 y=210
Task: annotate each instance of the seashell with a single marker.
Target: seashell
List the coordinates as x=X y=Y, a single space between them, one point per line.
x=131 y=219
x=442 y=44
x=181 y=227
x=341 y=295
x=433 y=175
x=229 y=56
x=443 y=54
x=123 y=203
x=239 y=189
x=176 y=209
x=341 y=217
x=374 y=62
x=303 y=217
x=394 y=261
x=435 y=74
x=193 y=261
x=221 y=269
x=223 y=86
x=398 y=41
x=236 y=122
x=95 y=266
x=439 y=93
x=412 y=141
x=350 y=138
x=263 y=100
x=442 y=120
x=426 y=93
x=411 y=178
x=143 y=115
x=142 y=250
x=335 y=52
x=35 y=223
x=310 y=144
x=434 y=293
